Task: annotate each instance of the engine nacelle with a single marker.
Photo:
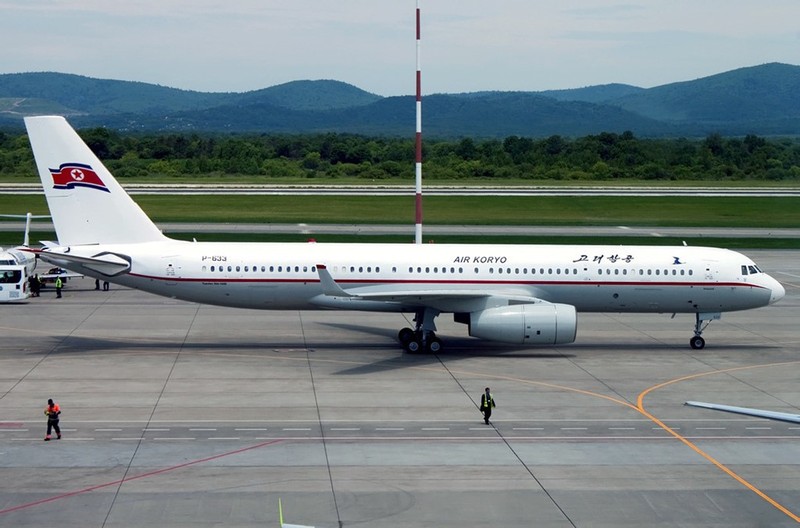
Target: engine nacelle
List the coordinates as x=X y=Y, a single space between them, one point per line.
x=539 y=324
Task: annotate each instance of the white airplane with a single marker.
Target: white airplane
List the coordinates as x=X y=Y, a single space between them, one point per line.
x=523 y=294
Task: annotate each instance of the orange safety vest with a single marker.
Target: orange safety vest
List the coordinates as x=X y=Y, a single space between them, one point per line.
x=52 y=413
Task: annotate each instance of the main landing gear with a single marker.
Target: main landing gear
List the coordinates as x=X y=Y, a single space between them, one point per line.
x=697 y=342
x=423 y=337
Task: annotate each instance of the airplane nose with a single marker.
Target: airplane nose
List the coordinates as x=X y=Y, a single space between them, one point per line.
x=778 y=291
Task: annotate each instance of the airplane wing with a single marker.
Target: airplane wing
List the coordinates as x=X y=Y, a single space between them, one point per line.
x=758 y=413
x=442 y=298
x=287 y=525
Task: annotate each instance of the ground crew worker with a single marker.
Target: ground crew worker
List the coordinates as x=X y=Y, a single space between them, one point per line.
x=487 y=402
x=52 y=411
x=58 y=287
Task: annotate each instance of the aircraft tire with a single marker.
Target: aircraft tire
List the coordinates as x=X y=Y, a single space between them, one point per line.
x=405 y=335
x=414 y=346
x=434 y=345
x=697 y=342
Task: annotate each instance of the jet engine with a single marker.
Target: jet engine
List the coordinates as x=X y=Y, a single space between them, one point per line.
x=536 y=324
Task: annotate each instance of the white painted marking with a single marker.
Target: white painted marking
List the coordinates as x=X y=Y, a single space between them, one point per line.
x=296 y=429
x=390 y=428
x=529 y=429
x=202 y=429
x=250 y=429
x=154 y=430
x=108 y=430
x=621 y=428
x=574 y=428
x=136 y=439
x=758 y=428
x=345 y=428
x=224 y=438
x=711 y=428
x=174 y=438
x=435 y=428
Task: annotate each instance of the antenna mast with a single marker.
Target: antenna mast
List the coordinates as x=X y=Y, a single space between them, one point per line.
x=418 y=164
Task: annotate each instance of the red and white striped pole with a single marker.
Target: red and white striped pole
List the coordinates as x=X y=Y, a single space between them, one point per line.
x=418 y=164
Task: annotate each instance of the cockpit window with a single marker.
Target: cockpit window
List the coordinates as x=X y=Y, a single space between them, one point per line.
x=744 y=270
x=752 y=269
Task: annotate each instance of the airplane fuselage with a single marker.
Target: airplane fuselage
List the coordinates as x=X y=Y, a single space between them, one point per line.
x=592 y=278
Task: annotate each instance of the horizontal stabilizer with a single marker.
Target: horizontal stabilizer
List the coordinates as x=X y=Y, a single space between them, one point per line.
x=109 y=264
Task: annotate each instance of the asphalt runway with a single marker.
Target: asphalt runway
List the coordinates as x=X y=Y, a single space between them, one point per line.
x=178 y=415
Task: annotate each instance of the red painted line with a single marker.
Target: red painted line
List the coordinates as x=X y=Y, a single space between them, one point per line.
x=137 y=477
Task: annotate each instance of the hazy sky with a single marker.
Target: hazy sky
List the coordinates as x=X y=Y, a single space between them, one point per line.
x=467 y=45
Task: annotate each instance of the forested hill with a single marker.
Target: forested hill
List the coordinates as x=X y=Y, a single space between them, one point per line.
x=756 y=100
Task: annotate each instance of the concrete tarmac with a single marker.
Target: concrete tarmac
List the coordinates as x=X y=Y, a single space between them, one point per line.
x=178 y=415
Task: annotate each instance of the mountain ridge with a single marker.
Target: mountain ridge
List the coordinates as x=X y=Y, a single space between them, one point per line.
x=755 y=99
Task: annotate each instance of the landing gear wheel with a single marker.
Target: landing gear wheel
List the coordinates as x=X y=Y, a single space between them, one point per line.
x=434 y=345
x=697 y=342
x=405 y=335
x=414 y=346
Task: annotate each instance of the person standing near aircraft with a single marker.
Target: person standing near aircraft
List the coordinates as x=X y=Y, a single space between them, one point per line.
x=487 y=402
x=58 y=287
x=52 y=411
x=32 y=285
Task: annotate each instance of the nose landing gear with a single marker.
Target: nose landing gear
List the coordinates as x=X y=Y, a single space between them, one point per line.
x=697 y=342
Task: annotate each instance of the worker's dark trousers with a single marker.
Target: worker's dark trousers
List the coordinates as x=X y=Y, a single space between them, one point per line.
x=53 y=424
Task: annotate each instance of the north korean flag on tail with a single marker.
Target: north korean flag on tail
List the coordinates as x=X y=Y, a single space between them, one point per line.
x=71 y=175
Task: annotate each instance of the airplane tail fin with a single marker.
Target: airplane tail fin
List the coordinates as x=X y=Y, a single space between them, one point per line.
x=87 y=204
